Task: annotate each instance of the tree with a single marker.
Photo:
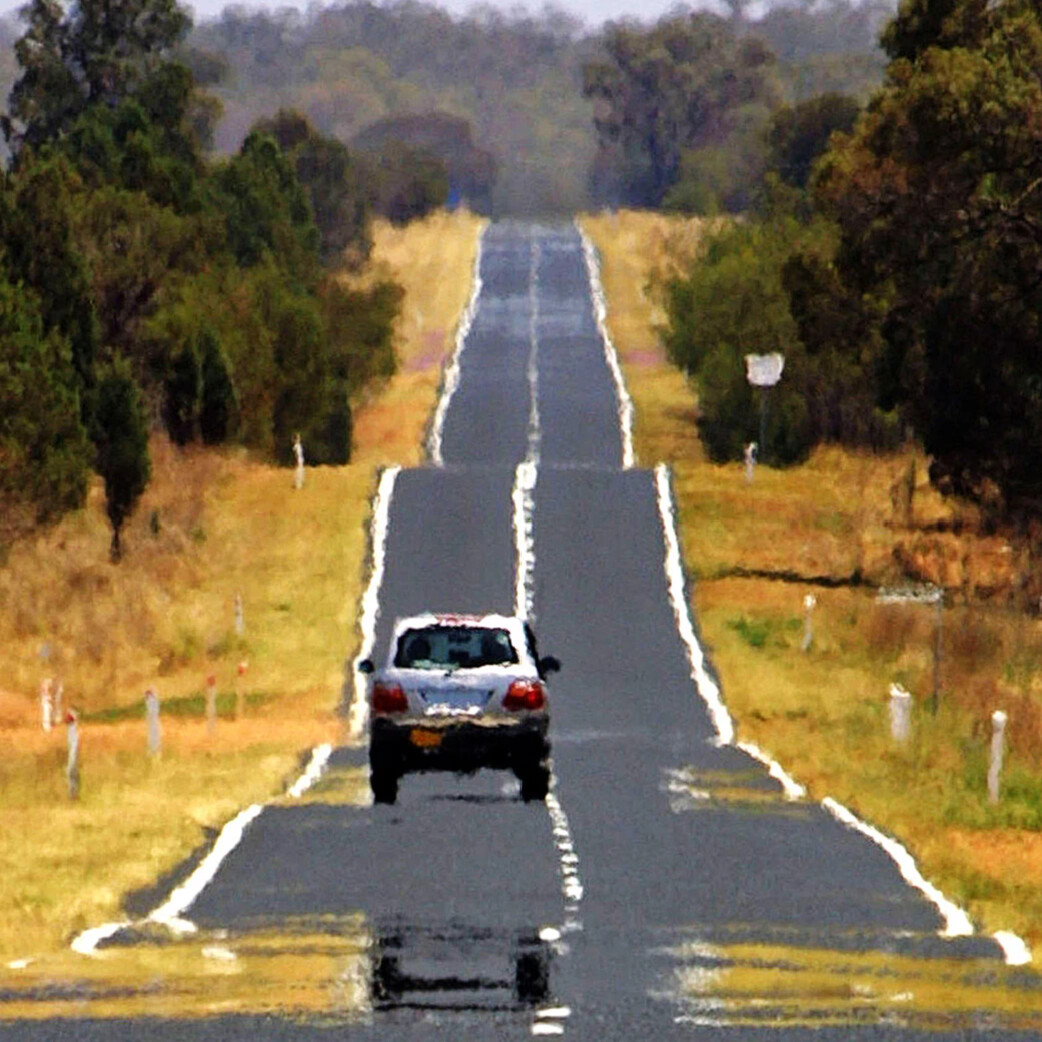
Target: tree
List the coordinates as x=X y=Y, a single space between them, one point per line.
x=44 y=451
x=334 y=182
x=218 y=407
x=769 y=285
x=120 y=435
x=266 y=210
x=675 y=87
x=937 y=194
x=798 y=135
x=38 y=228
x=728 y=304
x=96 y=52
x=469 y=172
x=406 y=183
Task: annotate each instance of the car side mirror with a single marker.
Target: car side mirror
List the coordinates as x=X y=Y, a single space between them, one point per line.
x=549 y=664
x=366 y=666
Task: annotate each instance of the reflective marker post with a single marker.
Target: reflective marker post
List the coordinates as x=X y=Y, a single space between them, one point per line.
x=900 y=713
x=152 y=719
x=809 y=603
x=46 y=705
x=211 y=703
x=72 y=763
x=998 y=731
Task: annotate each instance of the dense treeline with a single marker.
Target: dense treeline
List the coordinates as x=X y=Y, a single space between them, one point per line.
x=144 y=286
x=516 y=80
x=177 y=203
x=899 y=271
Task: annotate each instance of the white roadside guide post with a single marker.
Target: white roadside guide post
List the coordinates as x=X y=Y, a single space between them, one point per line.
x=152 y=719
x=72 y=763
x=211 y=703
x=764 y=371
x=240 y=616
x=240 y=690
x=46 y=704
x=809 y=603
x=998 y=731
x=900 y=713
x=298 y=452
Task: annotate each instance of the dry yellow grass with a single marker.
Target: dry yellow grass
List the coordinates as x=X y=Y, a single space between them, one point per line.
x=823 y=714
x=632 y=246
x=429 y=259
x=211 y=525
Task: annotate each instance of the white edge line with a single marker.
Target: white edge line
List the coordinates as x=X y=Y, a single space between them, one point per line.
x=171 y=912
x=358 y=715
x=316 y=765
x=1014 y=948
x=704 y=683
x=792 y=788
x=452 y=372
x=183 y=896
x=956 y=921
x=600 y=308
x=87 y=942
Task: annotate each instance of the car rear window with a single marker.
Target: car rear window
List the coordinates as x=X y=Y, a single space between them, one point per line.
x=454 y=647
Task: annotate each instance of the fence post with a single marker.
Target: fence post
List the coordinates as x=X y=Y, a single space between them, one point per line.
x=72 y=763
x=998 y=731
x=155 y=736
x=900 y=713
x=211 y=703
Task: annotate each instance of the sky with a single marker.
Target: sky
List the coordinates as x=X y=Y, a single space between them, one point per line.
x=592 y=12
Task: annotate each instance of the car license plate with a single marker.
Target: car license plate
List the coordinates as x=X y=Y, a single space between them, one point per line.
x=425 y=739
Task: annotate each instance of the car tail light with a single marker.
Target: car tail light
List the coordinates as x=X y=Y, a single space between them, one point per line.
x=389 y=698
x=524 y=694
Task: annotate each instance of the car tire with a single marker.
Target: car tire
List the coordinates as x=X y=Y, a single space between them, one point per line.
x=535 y=783
x=384 y=784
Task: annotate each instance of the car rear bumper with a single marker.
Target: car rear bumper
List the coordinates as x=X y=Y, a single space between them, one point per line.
x=461 y=746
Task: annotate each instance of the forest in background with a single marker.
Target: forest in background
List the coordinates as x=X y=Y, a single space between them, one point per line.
x=515 y=81
x=178 y=201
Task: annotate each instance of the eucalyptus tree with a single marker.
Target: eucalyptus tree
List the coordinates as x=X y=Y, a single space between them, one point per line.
x=938 y=194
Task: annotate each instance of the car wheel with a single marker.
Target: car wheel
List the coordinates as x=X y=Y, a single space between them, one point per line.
x=535 y=783
x=384 y=785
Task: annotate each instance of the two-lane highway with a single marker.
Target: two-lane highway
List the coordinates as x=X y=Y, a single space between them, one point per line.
x=670 y=888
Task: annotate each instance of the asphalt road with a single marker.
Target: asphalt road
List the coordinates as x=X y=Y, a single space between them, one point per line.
x=668 y=890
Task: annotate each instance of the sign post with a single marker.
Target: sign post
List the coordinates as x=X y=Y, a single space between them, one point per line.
x=923 y=595
x=764 y=371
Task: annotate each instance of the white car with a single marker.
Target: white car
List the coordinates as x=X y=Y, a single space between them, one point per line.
x=458 y=693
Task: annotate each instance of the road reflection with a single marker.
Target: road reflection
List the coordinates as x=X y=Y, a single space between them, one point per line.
x=747 y=983
x=459 y=967
x=337 y=970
